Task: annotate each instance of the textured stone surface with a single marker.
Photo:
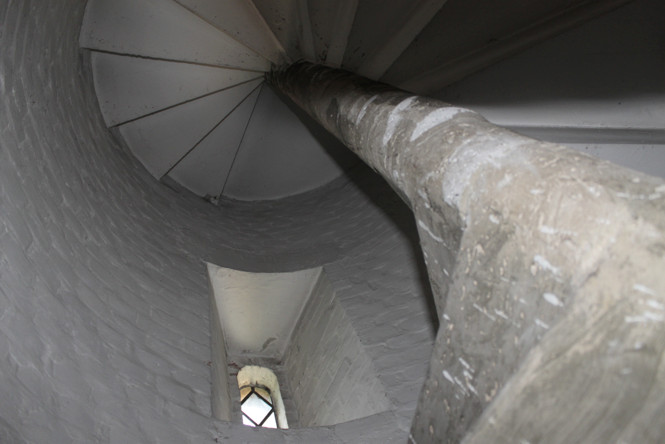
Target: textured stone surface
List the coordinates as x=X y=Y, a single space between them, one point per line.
x=104 y=312
x=220 y=402
x=546 y=267
x=331 y=377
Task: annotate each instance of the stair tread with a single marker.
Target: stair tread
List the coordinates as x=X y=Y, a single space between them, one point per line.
x=300 y=155
x=241 y=20
x=373 y=49
x=282 y=16
x=331 y=25
x=131 y=87
x=205 y=170
x=161 y=139
x=162 y=29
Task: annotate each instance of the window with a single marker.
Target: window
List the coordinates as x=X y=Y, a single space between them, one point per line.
x=260 y=399
x=257 y=408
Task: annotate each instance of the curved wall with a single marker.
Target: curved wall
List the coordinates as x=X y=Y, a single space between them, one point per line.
x=104 y=332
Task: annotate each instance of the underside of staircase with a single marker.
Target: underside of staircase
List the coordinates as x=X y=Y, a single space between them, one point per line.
x=182 y=81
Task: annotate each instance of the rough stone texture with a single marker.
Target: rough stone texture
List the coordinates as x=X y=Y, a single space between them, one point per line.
x=104 y=311
x=546 y=266
x=220 y=402
x=330 y=376
x=383 y=297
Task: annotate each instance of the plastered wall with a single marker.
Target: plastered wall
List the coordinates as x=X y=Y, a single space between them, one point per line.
x=104 y=314
x=331 y=378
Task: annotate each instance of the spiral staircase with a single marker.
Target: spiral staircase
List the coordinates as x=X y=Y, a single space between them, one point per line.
x=182 y=80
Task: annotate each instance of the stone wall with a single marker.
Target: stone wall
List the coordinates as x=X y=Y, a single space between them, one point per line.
x=104 y=311
x=221 y=405
x=330 y=376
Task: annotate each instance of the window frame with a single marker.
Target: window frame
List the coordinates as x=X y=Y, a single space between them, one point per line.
x=269 y=403
x=264 y=378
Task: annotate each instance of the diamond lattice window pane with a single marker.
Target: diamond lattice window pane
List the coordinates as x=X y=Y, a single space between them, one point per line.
x=257 y=407
x=271 y=422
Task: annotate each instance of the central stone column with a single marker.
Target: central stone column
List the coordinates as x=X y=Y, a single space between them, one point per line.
x=545 y=264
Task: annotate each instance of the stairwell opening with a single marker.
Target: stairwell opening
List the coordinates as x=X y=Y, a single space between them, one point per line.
x=301 y=337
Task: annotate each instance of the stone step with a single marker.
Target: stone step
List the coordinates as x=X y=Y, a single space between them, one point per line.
x=165 y=30
x=241 y=20
x=205 y=170
x=160 y=140
x=132 y=87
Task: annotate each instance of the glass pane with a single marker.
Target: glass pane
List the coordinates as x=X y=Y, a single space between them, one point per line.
x=256 y=408
x=271 y=422
x=247 y=422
